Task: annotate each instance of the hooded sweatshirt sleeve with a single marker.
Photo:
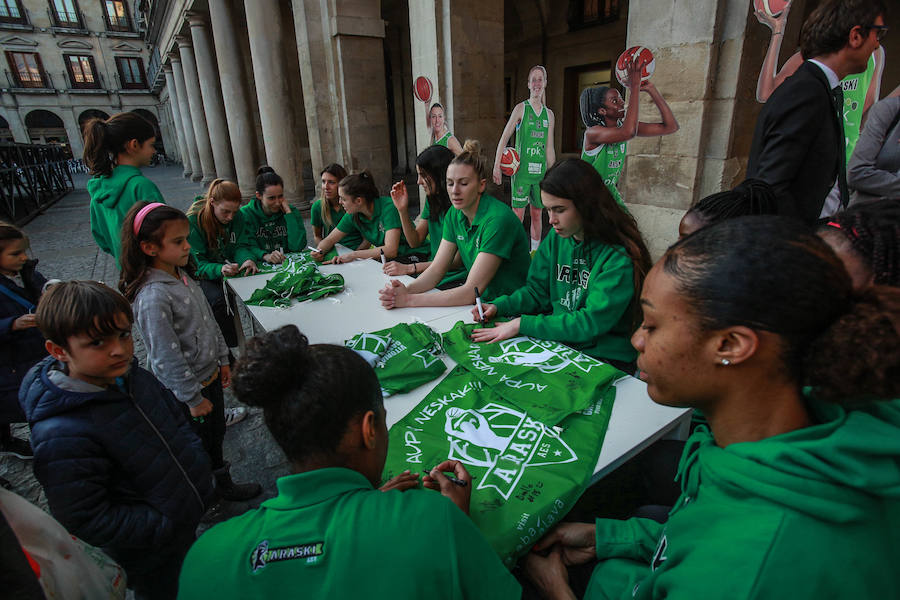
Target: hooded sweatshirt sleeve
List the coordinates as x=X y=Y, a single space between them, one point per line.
x=534 y=298
x=633 y=539
x=609 y=293
x=154 y=316
x=296 y=231
x=145 y=190
x=207 y=268
x=248 y=247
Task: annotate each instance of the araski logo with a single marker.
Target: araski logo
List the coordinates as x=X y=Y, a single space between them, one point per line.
x=546 y=356
x=504 y=442
x=370 y=346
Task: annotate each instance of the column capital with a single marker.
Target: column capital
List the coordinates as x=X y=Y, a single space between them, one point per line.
x=166 y=68
x=184 y=41
x=195 y=19
x=174 y=56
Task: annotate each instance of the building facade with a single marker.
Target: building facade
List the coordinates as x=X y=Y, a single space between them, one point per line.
x=66 y=61
x=299 y=84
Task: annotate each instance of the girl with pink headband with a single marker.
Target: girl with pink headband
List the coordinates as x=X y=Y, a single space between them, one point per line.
x=185 y=349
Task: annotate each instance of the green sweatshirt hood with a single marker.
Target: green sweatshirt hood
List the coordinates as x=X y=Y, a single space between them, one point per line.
x=107 y=191
x=830 y=471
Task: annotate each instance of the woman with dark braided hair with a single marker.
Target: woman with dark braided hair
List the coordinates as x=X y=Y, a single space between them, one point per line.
x=798 y=469
x=750 y=197
x=866 y=237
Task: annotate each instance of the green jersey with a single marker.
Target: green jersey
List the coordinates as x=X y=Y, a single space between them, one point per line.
x=608 y=160
x=331 y=534
x=351 y=240
x=531 y=144
x=495 y=230
x=444 y=141
x=264 y=233
x=210 y=260
x=578 y=293
x=855 y=87
x=384 y=218
x=435 y=235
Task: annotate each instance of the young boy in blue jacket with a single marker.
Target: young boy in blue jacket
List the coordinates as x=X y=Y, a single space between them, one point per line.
x=120 y=465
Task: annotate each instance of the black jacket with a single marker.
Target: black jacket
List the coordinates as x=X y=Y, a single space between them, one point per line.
x=124 y=472
x=798 y=143
x=19 y=350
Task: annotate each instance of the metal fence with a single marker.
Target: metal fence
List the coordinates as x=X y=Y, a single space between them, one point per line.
x=32 y=178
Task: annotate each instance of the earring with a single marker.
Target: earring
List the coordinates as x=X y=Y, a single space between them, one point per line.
x=725 y=362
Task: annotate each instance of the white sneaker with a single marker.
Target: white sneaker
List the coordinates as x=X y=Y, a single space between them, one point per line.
x=234 y=415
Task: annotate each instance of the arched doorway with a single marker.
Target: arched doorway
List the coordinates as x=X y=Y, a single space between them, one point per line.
x=90 y=113
x=6 y=135
x=45 y=127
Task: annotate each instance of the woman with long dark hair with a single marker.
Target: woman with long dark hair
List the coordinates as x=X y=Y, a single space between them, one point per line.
x=586 y=275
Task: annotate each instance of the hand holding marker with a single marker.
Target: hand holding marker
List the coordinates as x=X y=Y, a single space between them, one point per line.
x=478 y=304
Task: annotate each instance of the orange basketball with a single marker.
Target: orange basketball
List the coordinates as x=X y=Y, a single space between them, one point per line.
x=643 y=56
x=509 y=162
x=422 y=89
x=772 y=7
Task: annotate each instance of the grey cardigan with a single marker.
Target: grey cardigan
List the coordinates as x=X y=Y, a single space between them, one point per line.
x=184 y=344
x=874 y=168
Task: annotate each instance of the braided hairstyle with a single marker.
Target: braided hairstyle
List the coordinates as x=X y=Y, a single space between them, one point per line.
x=872 y=230
x=750 y=197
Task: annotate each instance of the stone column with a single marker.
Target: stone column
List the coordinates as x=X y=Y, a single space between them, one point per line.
x=73 y=132
x=234 y=94
x=190 y=142
x=212 y=96
x=195 y=102
x=266 y=35
x=341 y=48
x=176 y=118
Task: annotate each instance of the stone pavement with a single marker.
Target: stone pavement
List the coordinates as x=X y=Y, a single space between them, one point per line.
x=61 y=240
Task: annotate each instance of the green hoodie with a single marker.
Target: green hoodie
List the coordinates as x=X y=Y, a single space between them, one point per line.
x=585 y=289
x=263 y=234
x=111 y=199
x=814 y=513
x=210 y=261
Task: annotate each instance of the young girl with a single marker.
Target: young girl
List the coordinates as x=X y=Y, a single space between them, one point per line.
x=21 y=344
x=369 y=215
x=750 y=197
x=216 y=226
x=533 y=123
x=431 y=167
x=327 y=212
x=801 y=453
x=585 y=278
x=440 y=132
x=609 y=125
x=185 y=350
x=114 y=152
x=490 y=240
x=866 y=237
x=272 y=227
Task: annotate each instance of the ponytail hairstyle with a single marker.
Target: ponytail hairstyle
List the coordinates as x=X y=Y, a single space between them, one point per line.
x=360 y=185
x=265 y=177
x=219 y=190
x=339 y=173
x=433 y=162
x=603 y=218
x=872 y=230
x=807 y=301
x=471 y=155
x=134 y=262
x=105 y=140
x=310 y=394
x=750 y=197
x=544 y=89
x=9 y=233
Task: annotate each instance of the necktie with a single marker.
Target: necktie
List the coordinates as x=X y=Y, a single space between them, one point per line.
x=837 y=97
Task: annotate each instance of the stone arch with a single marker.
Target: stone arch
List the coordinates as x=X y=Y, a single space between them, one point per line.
x=46 y=127
x=5 y=132
x=90 y=114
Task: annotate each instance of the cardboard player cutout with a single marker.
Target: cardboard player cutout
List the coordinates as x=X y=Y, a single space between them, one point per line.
x=611 y=123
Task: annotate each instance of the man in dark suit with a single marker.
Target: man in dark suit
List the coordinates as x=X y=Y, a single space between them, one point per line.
x=798 y=145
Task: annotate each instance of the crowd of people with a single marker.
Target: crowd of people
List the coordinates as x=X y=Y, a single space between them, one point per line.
x=775 y=317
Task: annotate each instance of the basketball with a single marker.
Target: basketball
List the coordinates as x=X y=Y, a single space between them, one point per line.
x=422 y=89
x=642 y=56
x=772 y=7
x=509 y=162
